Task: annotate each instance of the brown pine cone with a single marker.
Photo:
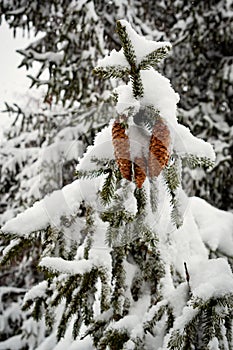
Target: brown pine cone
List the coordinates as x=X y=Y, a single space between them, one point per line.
x=139 y=171
x=122 y=150
x=159 y=148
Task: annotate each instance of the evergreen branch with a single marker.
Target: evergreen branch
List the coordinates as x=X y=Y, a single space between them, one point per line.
x=105 y=290
x=97 y=328
x=103 y=165
x=111 y=72
x=172 y=178
x=153 y=58
x=113 y=339
x=210 y=316
x=65 y=289
x=139 y=344
x=229 y=328
x=88 y=231
x=141 y=198
x=193 y=161
x=111 y=235
x=176 y=216
x=149 y=325
x=116 y=219
x=126 y=44
x=21 y=245
x=137 y=85
x=130 y=55
x=119 y=275
x=170 y=319
x=81 y=304
x=108 y=190
x=38 y=310
x=77 y=325
x=90 y=174
x=49 y=318
x=172 y=175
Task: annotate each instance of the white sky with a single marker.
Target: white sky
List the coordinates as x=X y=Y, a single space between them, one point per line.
x=12 y=79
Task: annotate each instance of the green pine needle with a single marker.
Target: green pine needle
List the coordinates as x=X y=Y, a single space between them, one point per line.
x=154 y=57
x=193 y=161
x=108 y=190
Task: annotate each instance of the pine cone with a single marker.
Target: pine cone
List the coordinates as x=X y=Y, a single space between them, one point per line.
x=122 y=150
x=159 y=148
x=139 y=171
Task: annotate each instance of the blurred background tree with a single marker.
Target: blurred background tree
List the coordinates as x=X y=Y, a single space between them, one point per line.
x=76 y=34
x=37 y=155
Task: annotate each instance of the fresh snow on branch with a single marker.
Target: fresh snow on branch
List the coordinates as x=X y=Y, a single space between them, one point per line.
x=64 y=266
x=215 y=226
x=36 y=291
x=50 y=210
x=186 y=143
x=211 y=279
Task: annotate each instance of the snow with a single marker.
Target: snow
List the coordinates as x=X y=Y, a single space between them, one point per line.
x=13 y=243
x=130 y=202
x=133 y=322
x=139 y=141
x=116 y=58
x=53 y=57
x=215 y=226
x=213 y=344
x=37 y=291
x=65 y=266
x=49 y=343
x=91 y=14
x=14 y=343
x=68 y=149
x=102 y=149
x=126 y=99
x=187 y=315
x=84 y=344
x=46 y=212
x=203 y=226
x=159 y=93
x=187 y=245
x=126 y=198
x=177 y=298
x=212 y=278
x=33 y=219
x=186 y=143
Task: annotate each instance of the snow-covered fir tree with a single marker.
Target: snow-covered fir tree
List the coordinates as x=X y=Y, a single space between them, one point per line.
x=130 y=261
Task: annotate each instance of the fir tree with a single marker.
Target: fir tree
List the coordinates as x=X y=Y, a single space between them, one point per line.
x=138 y=271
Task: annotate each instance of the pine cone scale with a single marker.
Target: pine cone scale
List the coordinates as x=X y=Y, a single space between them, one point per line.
x=121 y=147
x=140 y=166
x=159 y=148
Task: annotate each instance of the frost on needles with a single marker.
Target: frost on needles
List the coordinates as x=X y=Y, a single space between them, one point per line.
x=141 y=266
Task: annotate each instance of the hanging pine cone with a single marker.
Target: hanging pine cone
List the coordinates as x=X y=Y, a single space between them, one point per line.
x=139 y=171
x=159 y=148
x=122 y=150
